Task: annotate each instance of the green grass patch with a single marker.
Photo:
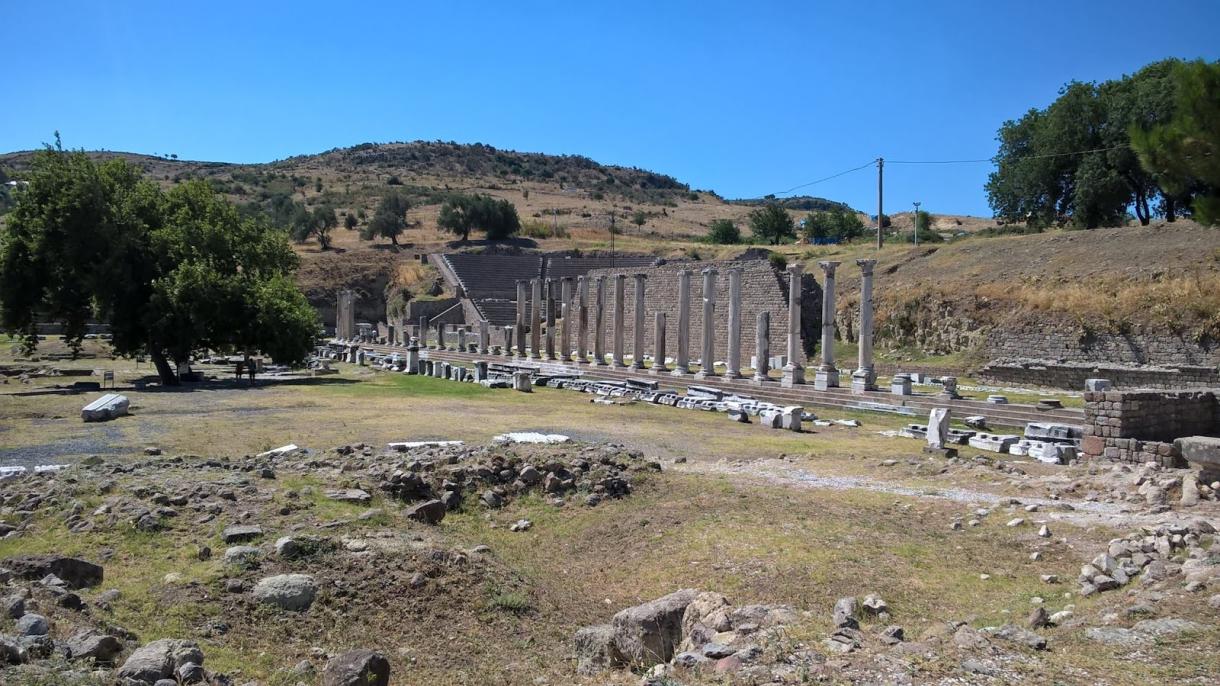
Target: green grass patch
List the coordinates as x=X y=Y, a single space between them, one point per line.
x=411 y=385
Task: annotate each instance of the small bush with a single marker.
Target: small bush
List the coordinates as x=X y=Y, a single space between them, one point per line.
x=513 y=602
x=725 y=232
x=532 y=228
x=778 y=261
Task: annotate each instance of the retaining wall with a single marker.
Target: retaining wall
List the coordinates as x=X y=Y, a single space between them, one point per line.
x=1140 y=426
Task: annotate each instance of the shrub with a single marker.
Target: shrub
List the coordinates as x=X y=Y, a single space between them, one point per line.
x=725 y=232
x=778 y=261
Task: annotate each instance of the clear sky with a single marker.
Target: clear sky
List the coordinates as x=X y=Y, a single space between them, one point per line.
x=744 y=98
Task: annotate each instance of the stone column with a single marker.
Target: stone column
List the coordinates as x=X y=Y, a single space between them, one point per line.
x=565 y=326
x=461 y=336
x=707 y=367
x=733 y=360
x=536 y=320
x=582 y=320
x=683 y=363
x=520 y=324
x=794 y=370
x=658 y=338
x=484 y=336
x=620 y=290
x=508 y=341
x=599 y=316
x=637 y=347
x=550 y=322
x=423 y=331
x=865 y=377
x=440 y=336
x=827 y=376
x=412 y=357
x=762 y=349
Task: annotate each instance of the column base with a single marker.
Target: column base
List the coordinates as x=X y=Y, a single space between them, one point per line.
x=862 y=382
x=733 y=375
x=637 y=366
x=581 y=359
x=759 y=380
x=793 y=376
x=680 y=371
x=657 y=371
x=700 y=375
x=826 y=378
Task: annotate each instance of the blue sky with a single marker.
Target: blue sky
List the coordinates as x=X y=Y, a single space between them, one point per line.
x=742 y=98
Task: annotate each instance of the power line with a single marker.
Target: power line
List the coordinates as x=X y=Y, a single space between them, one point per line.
x=1024 y=157
x=832 y=176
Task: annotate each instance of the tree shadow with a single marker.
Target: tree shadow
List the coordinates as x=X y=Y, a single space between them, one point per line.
x=243 y=384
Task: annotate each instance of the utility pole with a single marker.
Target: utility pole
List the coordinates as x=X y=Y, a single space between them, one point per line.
x=916 y=232
x=880 y=174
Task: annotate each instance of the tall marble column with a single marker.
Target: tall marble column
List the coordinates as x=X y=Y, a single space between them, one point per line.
x=599 y=322
x=707 y=365
x=565 y=325
x=683 y=363
x=549 y=308
x=733 y=360
x=794 y=370
x=582 y=320
x=536 y=319
x=637 y=347
x=762 y=349
x=484 y=336
x=658 y=338
x=827 y=375
x=620 y=291
x=865 y=377
x=519 y=332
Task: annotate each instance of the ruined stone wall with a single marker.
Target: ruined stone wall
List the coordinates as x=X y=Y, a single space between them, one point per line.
x=762 y=289
x=1072 y=376
x=1139 y=426
x=1063 y=341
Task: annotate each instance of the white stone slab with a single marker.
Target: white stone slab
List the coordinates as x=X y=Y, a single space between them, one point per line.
x=276 y=452
x=408 y=445
x=530 y=437
x=105 y=408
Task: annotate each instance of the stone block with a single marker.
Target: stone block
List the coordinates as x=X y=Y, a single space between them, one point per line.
x=1200 y=451
x=105 y=408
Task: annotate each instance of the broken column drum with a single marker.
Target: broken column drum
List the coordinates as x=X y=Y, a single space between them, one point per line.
x=637 y=347
x=707 y=365
x=733 y=361
x=683 y=362
x=762 y=348
x=794 y=370
x=658 y=337
x=827 y=375
x=484 y=336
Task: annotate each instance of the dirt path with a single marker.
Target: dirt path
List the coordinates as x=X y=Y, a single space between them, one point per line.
x=1083 y=512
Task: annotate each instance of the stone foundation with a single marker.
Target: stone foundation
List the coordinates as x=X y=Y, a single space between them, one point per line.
x=1140 y=426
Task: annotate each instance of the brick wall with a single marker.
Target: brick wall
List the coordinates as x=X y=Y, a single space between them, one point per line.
x=762 y=289
x=1062 y=342
x=1140 y=426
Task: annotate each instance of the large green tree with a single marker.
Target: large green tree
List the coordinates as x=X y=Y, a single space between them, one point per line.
x=390 y=219
x=772 y=224
x=1183 y=151
x=169 y=272
x=1072 y=162
x=460 y=214
x=833 y=226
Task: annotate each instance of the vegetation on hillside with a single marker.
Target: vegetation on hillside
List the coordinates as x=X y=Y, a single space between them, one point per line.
x=461 y=214
x=169 y=271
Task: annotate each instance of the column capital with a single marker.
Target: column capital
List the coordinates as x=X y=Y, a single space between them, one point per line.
x=796 y=268
x=638 y=276
x=866 y=266
x=709 y=270
x=566 y=279
x=829 y=266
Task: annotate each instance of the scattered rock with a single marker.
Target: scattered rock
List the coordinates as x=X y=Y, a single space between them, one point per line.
x=294 y=592
x=429 y=512
x=357 y=668
x=159 y=660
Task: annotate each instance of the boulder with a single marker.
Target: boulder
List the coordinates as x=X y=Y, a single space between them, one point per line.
x=31 y=624
x=428 y=512
x=647 y=634
x=357 y=668
x=74 y=572
x=350 y=495
x=596 y=649
x=92 y=645
x=159 y=660
x=294 y=592
x=845 y=613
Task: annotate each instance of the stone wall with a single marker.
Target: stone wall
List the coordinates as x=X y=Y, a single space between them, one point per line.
x=1140 y=426
x=1072 y=376
x=1063 y=341
x=762 y=289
